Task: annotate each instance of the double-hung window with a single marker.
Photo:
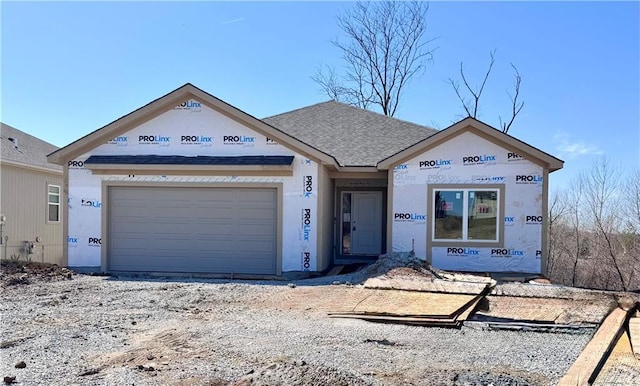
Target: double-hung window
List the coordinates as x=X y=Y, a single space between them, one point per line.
x=469 y=214
x=53 y=203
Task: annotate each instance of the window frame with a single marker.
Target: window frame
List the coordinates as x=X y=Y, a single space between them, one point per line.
x=50 y=203
x=465 y=188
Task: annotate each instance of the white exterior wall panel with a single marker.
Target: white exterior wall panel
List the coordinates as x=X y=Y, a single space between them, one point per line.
x=523 y=200
x=189 y=130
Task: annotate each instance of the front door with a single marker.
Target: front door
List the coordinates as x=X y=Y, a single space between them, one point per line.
x=362 y=223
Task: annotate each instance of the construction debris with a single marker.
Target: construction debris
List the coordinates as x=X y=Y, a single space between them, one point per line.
x=422 y=295
x=621 y=368
x=634 y=335
x=549 y=291
x=418 y=294
x=411 y=307
x=511 y=311
x=585 y=369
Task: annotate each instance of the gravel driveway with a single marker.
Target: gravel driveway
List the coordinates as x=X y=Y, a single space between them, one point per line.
x=92 y=330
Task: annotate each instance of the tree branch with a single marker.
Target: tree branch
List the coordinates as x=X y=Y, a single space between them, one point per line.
x=515 y=106
x=384 y=50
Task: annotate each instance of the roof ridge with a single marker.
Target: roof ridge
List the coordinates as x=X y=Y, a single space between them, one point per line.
x=389 y=117
x=298 y=109
x=356 y=108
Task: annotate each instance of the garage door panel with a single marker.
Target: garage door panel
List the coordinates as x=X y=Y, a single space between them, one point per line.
x=248 y=254
x=130 y=243
x=172 y=243
x=166 y=213
x=214 y=246
x=209 y=214
x=214 y=242
x=259 y=265
x=253 y=214
x=217 y=230
x=130 y=211
x=166 y=229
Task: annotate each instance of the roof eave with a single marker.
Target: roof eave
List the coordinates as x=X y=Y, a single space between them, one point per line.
x=37 y=168
x=167 y=168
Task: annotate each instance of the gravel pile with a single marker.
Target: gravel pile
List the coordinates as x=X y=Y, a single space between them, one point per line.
x=383 y=265
x=113 y=331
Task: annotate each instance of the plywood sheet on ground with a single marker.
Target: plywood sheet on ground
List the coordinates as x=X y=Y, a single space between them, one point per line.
x=634 y=332
x=411 y=303
x=621 y=368
x=549 y=291
x=418 y=321
x=345 y=299
x=318 y=299
x=583 y=370
x=470 y=309
x=425 y=285
x=546 y=310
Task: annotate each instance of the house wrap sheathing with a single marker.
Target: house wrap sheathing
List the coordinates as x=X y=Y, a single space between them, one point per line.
x=473 y=162
x=192 y=129
x=189 y=183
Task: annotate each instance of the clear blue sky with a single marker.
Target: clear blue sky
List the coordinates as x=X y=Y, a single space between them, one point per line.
x=70 y=68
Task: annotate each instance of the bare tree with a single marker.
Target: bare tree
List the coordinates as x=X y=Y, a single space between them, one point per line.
x=515 y=105
x=384 y=50
x=558 y=208
x=580 y=247
x=594 y=230
x=471 y=105
x=631 y=195
x=601 y=192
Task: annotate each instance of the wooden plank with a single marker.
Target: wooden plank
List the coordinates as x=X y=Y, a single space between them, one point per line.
x=470 y=308
x=634 y=333
x=412 y=303
x=559 y=311
x=621 y=367
x=363 y=315
x=400 y=319
x=585 y=369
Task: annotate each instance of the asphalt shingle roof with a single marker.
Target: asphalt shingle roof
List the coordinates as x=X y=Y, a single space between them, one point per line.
x=185 y=160
x=353 y=136
x=25 y=149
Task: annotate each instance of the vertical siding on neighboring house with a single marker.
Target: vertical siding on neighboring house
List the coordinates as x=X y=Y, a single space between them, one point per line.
x=24 y=203
x=326 y=209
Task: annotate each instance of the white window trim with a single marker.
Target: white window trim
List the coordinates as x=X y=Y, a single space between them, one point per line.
x=49 y=203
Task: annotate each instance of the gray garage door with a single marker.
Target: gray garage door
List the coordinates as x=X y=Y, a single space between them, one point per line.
x=213 y=230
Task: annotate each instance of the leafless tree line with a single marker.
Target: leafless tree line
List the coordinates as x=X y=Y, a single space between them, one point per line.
x=594 y=230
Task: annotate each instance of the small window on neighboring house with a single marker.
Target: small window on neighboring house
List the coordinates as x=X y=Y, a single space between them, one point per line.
x=466 y=214
x=53 y=203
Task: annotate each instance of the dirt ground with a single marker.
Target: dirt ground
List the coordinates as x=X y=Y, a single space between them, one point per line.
x=60 y=328
x=18 y=272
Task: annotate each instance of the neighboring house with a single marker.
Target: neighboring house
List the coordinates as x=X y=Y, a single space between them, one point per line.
x=31 y=196
x=189 y=183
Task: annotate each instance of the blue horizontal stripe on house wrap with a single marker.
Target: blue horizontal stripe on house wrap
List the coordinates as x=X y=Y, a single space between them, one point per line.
x=186 y=160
